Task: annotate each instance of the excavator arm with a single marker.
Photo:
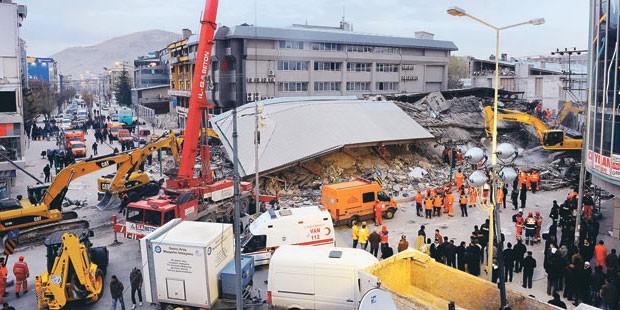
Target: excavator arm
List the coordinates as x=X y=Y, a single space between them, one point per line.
x=85 y=282
x=567 y=109
x=550 y=139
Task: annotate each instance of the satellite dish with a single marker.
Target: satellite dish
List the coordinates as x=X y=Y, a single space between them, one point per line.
x=377 y=299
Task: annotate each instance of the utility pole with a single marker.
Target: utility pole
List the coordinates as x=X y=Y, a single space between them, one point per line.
x=569 y=53
x=237 y=195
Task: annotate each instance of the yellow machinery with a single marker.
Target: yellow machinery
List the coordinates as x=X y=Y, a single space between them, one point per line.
x=129 y=181
x=75 y=270
x=416 y=281
x=567 y=109
x=551 y=139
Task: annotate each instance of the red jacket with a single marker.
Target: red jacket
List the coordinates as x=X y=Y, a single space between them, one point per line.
x=20 y=270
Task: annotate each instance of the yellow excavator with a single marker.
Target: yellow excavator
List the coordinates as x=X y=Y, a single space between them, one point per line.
x=567 y=109
x=75 y=270
x=130 y=183
x=551 y=139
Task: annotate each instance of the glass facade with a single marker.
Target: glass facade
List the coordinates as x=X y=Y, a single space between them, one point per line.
x=604 y=129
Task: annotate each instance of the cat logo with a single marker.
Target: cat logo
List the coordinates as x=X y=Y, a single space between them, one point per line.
x=104 y=163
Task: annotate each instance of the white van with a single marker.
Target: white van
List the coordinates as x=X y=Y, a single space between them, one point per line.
x=300 y=226
x=316 y=277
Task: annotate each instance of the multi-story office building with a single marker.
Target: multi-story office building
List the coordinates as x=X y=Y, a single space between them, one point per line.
x=603 y=131
x=314 y=60
x=149 y=70
x=12 y=78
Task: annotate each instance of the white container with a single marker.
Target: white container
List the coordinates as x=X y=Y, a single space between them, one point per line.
x=310 y=226
x=183 y=260
x=316 y=277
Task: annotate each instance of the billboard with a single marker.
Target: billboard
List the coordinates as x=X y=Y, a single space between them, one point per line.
x=39 y=68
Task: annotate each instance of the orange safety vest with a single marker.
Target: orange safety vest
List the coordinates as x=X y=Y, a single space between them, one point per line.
x=428 y=204
x=450 y=199
x=534 y=177
x=522 y=178
x=418 y=198
x=500 y=195
x=459 y=178
x=472 y=195
x=437 y=202
x=463 y=199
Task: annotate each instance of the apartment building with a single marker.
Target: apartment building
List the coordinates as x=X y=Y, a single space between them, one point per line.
x=149 y=70
x=12 y=78
x=309 y=60
x=181 y=57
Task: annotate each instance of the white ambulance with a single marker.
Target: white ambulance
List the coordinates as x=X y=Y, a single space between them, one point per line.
x=310 y=226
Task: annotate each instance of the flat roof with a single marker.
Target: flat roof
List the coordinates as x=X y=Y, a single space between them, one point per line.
x=308 y=256
x=332 y=36
x=297 y=129
x=193 y=233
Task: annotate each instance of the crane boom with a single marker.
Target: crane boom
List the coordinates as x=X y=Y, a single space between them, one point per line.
x=198 y=101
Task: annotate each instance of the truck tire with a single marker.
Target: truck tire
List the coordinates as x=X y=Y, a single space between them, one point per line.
x=100 y=256
x=389 y=214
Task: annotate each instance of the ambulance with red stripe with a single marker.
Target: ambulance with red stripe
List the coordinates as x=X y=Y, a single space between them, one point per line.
x=311 y=226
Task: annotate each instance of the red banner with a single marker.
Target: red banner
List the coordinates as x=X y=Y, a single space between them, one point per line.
x=604 y=164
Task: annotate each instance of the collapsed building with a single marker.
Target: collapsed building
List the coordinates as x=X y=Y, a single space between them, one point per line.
x=398 y=141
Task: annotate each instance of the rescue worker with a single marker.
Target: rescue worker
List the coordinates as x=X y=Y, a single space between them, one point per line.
x=587 y=206
x=21 y=272
x=418 y=204
x=363 y=236
x=459 y=177
x=499 y=197
x=463 y=203
x=473 y=196
x=378 y=208
x=518 y=219
x=437 y=203
x=534 y=178
x=38 y=290
x=355 y=229
x=539 y=222
x=522 y=178
x=449 y=203
x=528 y=183
x=428 y=207
x=384 y=238
x=600 y=253
x=530 y=228
x=485 y=193
x=4 y=273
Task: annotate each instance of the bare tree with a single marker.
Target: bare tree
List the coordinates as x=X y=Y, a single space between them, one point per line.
x=458 y=69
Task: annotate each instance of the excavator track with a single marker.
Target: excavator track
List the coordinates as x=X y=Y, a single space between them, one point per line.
x=39 y=233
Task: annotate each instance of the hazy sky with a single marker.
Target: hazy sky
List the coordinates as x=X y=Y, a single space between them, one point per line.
x=53 y=25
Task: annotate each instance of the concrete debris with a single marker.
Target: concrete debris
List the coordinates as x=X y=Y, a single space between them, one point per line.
x=417 y=173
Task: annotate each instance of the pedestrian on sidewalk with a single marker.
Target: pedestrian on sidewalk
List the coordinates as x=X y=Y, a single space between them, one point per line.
x=135 y=279
x=95 y=148
x=47 y=171
x=529 y=264
x=116 y=290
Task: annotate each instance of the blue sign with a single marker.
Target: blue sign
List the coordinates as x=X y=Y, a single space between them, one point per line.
x=157 y=249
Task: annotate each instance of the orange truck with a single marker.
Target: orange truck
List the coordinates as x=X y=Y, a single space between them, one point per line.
x=354 y=201
x=75 y=142
x=114 y=128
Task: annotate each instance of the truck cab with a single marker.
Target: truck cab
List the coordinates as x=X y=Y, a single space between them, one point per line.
x=77 y=148
x=354 y=201
x=144 y=136
x=114 y=128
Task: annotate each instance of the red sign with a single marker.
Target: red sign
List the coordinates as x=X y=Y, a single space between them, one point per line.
x=604 y=164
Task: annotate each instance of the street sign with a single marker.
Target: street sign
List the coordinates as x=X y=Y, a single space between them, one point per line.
x=9 y=246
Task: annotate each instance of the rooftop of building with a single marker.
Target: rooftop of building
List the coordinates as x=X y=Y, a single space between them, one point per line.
x=330 y=35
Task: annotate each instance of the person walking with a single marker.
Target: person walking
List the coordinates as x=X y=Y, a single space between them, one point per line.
x=529 y=264
x=459 y=178
x=473 y=196
x=135 y=280
x=21 y=272
x=95 y=148
x=463 y=204
x=418 y=203
x=523 y=196
x=518 y=252
x=116 y=290
x=403 y=244
x=47 y=171
x=509 y=264
x=374 y=239
x=437 y=204
x=378 y=209
x=363 y=236
x=450 y=203
x=600 y=253
x=355 y=229
x=4 y=274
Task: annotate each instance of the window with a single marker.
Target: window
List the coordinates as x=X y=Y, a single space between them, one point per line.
x=387 y=50
x=359 y=49
x=386 y=68
x=358 y=86
x=292 y=65
x=152 y=218
x=327 y=66
x=368 y=197
x=256 y=243
x=134 y=215
x=9 y=101
x=293 y=86
x=169 y=215
x=358 y=67
x=292 y=44
x=12 y=144
x=322 y=46
x=387 y=86
x=382 y=196
x=327 y=86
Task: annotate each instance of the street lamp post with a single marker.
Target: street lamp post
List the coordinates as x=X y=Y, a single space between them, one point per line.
x=456 y=11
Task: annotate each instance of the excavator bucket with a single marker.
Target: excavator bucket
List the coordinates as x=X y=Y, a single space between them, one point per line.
x=109 y=201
